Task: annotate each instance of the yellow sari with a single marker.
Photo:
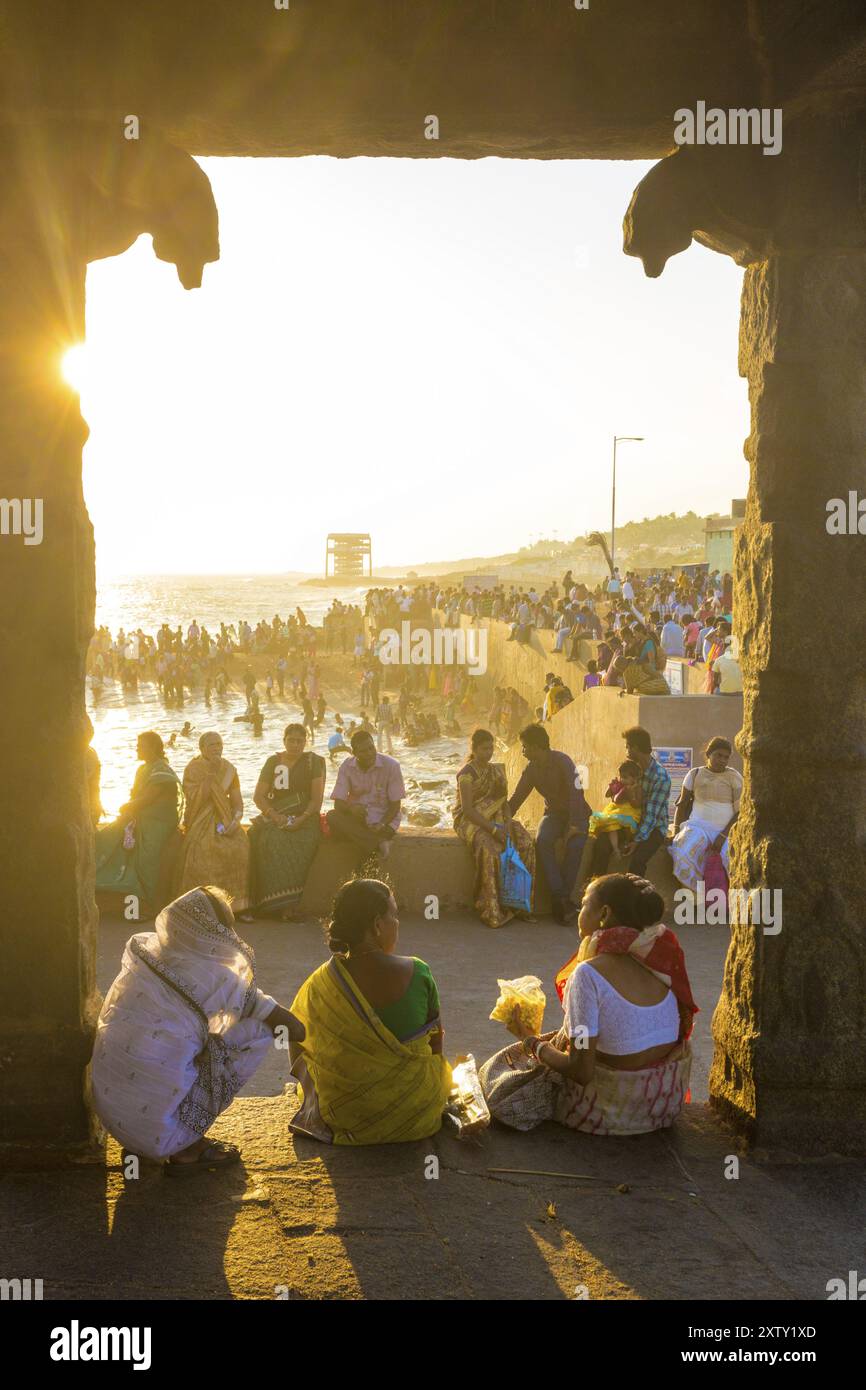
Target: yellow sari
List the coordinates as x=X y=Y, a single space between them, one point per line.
x=360 y=1084
x=208 y=856
x=490 y=787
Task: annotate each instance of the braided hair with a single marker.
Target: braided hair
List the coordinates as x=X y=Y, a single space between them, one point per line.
x=633 y=901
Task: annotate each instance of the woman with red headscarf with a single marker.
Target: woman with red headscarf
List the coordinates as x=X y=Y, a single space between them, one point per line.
x=621 y=1062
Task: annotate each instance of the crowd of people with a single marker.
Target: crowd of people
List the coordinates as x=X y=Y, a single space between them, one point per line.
x=682 y=617
x=175 y=832
x=365 y=1029
x=648 y=620
x=637 y=622
x=265 y=871
x=177 y=662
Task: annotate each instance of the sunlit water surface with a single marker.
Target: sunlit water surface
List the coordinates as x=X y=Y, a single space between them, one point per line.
x=146 y=601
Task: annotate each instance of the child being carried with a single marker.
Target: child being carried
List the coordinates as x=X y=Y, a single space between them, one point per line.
x=624 y=807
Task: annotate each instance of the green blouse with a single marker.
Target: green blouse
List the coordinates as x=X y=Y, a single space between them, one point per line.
x=295 y=798
x=408 y=1014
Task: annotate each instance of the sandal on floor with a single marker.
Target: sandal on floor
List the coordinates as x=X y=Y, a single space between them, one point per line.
x=213 y=1155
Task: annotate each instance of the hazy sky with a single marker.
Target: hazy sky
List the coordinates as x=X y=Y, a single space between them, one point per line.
x=437 y=351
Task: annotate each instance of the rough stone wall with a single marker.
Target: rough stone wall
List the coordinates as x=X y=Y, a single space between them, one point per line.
x=789 y=1028
x=46 y=616
x=68 y=194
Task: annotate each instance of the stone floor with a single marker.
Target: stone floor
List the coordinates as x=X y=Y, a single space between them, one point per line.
x=651 y=1217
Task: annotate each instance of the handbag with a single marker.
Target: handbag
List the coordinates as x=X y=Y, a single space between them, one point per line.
x=714 y=874
x=515 y=880
x=520 y=1092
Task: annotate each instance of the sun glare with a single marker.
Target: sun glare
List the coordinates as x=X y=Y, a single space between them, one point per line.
x=74 y=366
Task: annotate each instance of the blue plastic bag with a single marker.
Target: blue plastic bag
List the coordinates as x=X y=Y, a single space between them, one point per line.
x=515 y=880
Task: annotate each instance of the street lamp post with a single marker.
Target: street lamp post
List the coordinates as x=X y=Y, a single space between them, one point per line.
x=617 y=439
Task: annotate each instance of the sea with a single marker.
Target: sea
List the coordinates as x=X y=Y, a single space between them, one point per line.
x=118 y=715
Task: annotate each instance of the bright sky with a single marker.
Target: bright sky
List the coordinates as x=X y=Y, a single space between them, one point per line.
x=436 y=351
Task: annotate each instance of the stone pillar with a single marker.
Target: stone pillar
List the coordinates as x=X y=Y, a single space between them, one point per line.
x=69 y=194
x=790 y=1027
x=47 y=912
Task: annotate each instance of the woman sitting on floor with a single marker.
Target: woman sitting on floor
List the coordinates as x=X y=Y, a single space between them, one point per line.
x=370 y=1068
x=621 y=1062
x=181 y=1030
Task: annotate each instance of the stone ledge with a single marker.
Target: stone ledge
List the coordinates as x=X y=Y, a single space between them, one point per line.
x=418 y=864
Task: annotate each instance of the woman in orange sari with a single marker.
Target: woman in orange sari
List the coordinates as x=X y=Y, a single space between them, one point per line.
x=216 y=849
x=482 y=820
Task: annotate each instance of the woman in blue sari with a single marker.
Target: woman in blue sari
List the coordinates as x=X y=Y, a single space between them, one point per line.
x=129 y=851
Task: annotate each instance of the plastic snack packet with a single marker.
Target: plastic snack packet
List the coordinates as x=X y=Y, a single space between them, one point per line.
x=466 y=1104
x=520 y=1006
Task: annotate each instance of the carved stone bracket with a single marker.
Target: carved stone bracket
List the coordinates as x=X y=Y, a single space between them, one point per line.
x=811 y=196
x=97 y=191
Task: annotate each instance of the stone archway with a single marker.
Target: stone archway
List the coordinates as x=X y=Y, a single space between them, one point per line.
x=789 y=1027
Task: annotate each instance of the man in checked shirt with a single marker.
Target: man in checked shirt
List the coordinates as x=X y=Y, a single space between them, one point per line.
x=653 y=829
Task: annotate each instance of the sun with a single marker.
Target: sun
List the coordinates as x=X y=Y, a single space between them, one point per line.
x=75 y=366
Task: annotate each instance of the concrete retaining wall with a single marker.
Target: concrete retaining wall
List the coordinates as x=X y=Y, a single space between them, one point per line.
x=420 y=863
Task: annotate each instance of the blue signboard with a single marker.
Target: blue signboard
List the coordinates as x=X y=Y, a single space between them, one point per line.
x=676 y=763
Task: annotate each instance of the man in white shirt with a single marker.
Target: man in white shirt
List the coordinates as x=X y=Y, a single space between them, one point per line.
x=727 y=668
x=672 y=639
x=628 y=591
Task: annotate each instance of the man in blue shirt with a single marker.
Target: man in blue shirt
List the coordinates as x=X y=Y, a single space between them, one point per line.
x=655 y=817
x=566 y=814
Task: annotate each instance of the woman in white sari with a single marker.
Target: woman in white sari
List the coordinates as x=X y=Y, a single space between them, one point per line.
x=707 y=808
x=182 y=1029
